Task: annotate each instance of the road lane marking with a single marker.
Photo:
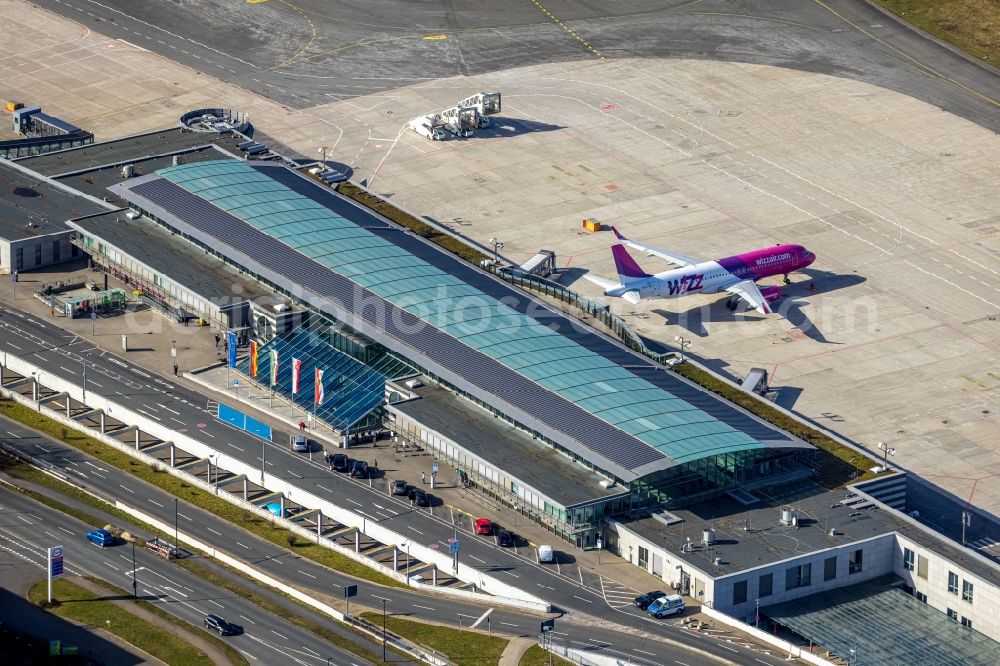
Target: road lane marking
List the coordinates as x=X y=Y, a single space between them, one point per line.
x=183 y=516
x=582 y=599
x=414 y=529
x=306 y=574
x=211 y=530
x=60 y=527
x=481 y=618
x=245 y=546
x=279 y=635
x=473 y=557
x=128 y=489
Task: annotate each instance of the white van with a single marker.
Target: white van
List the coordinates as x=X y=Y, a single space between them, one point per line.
x=545 y=554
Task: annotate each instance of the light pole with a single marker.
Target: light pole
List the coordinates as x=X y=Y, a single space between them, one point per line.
x=966 y=522
x=176 y=531
x=262 y=462
x=684 y=344
x=322 y=150
x=886 y=452
x=383 y=630
x=84 y=380
x=38 y=390
x=407 y=544
x=497 y=246
x=135 y=584
x=210 y=462
x=173 y=355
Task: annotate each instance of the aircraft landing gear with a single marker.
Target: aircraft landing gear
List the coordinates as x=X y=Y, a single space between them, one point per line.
x=785 y=279
x=731 y=303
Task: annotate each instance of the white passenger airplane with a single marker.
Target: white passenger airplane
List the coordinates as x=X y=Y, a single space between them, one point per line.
x=736 y=275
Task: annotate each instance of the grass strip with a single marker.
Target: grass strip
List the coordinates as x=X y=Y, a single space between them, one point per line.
x=24 y=471
x=82 y=605
x=839 y=464
x=970 y=25
x=417 y=226
x=536 y=656
x=157 y=476
x=465 y=648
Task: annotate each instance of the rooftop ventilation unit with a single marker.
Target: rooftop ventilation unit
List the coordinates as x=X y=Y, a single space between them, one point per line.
x=788 y=517
x=128 y=170
x=708 y=537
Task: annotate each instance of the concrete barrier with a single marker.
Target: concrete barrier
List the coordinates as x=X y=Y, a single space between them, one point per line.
x=794 y=651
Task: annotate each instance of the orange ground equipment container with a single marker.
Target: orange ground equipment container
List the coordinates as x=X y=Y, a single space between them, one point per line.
x=591 y=225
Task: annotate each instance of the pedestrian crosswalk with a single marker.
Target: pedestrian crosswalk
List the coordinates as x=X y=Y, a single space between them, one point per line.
x=617 y=595
x=984 y=543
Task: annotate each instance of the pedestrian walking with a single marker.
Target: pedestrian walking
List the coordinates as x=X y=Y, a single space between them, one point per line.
x=423 y=477
x=217 y=339
x=175 y=369
x=302 y=426
x=376 y=463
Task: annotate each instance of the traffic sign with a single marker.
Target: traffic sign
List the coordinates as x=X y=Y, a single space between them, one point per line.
x=453 y=546
x=93 y=315
x=350 y=591
x=56 y=561
x=548 y=625
x=434 y=468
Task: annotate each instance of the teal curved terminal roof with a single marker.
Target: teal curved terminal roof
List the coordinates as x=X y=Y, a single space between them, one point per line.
x=673 y=426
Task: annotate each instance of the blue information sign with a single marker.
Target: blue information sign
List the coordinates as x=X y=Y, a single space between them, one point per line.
x=453 y=547
x=57 y=561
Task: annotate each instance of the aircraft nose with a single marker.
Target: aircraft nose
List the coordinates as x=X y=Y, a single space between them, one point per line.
x=808 y=256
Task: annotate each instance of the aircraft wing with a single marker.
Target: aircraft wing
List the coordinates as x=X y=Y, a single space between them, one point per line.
x=749 y=292
x=630 y=295
x=672 y=257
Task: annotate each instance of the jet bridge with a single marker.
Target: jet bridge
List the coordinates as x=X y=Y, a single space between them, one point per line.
x=460 y=120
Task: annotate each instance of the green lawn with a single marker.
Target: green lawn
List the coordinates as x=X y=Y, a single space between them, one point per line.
x=971 y=25
x=249 y=521
x=465 y=648
x=536 y=656
x=81 y=605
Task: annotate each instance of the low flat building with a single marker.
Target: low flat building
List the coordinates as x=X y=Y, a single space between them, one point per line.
x=798 y=540
x=508 y=464
x=33 y=214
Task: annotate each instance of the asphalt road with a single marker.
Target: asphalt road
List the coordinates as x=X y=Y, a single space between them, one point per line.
x=64 y=354
x=28 y=528
x=310 y=52
x=279 y=563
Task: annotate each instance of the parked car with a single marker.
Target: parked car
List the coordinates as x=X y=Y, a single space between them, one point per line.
x=216 y=623
x=300 y=443
x=643 y=601
x=102 y=538
x=359 y=469
x=484 y=526
x=399 y=488
x=546 y=554
x=340 y=462
x=419 y=497
x=665 y=606
x=505 y=538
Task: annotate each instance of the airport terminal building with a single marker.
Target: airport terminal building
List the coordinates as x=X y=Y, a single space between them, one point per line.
x=567 y=407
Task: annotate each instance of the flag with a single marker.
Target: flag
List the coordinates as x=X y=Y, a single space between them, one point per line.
x=296 y=368
x=253 y=358
x=274 y=367
x=231 y=348
x=319 y=387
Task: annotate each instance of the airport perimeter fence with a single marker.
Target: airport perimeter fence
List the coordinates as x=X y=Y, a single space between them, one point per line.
x=597 y=310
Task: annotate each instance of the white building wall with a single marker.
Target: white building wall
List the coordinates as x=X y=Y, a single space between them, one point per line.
x=983 y=610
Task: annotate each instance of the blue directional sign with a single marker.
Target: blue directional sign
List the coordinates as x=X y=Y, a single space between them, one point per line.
x=453 y=547
x=231 y=339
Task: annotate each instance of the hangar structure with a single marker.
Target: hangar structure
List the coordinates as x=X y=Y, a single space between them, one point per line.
x=604 y=406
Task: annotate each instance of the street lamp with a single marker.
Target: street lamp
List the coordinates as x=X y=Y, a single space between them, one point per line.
x=176 y=531
x=322 y=150
x=497 y=246
x=854 y=657
x=684 y=344
x=38 y=389
x=210 y=463
x=173 y=355
x=135 y=583
x=407 y=545
x=886 y=452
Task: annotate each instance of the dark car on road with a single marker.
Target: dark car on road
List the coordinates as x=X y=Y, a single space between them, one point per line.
x=340 y=462
x=419 y=497
x=399 y=487
x=644 y=600
x=359 y=469
x=505 y=538
x=216 y=623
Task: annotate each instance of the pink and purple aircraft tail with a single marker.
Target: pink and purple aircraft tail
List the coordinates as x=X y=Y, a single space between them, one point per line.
x=627 y=267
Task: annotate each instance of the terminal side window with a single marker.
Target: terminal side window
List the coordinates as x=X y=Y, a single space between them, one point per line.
x=765 y=585
x=922 y=566
x=740 y=592
x=952 y=615
x=829 y=568
x=643 y=558
x=854 y=563
x=966 y=591
x=953 y=582
x=800 y=576
x=908 y=559
x=966 y=622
